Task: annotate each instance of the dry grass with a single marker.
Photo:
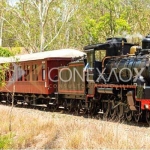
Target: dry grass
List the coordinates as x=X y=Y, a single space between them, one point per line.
x=36 y=129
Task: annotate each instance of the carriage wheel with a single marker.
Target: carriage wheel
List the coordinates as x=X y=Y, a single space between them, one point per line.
x=84 y=110
x=65 y=105
x=77 y=111
x=148 y=116
x=92 y=110
x=77 y=108
x=54 y=107
x=80 y=109
x=70 y=107
x=99 y=116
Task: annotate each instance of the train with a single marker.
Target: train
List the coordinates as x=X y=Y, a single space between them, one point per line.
x=105 y=80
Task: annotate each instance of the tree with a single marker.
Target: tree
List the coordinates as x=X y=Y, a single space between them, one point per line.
x=52 y=24
x=36 y=24
x=5 y=52
x=2 y=15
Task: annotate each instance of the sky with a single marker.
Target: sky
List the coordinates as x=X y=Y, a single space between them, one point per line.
x=12 y=2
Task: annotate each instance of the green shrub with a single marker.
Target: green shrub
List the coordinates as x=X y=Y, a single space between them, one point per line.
x=5 y=52
x=5 y=141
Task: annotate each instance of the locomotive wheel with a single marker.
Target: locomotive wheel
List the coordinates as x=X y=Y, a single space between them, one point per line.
x=148 y=116
x=137 y=116
x=96 y=114
x=106 y=110
x=120 y=112
x=113 y=111
x=128 y=116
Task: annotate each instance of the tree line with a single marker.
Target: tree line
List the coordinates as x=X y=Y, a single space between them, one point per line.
x=43 y=25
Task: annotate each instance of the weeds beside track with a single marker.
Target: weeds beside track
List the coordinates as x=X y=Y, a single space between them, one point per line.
x=39 y=129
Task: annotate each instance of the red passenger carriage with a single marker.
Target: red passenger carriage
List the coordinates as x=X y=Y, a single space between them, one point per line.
x=31 y=76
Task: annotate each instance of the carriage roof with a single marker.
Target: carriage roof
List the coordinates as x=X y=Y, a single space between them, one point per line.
x=62 y=53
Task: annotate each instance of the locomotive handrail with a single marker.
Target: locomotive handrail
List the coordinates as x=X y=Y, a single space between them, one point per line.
x=130 y=54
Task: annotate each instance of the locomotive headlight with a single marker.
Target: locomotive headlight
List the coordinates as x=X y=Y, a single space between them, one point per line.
x=146 y=106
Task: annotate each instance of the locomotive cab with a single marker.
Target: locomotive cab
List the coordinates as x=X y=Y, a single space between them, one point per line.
x=94 y=60
x=97 y=52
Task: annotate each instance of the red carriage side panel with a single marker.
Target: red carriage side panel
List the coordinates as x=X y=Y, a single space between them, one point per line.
x=36 y=78
x=40 y=69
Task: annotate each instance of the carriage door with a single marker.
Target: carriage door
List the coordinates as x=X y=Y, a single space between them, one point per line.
x=52 y=74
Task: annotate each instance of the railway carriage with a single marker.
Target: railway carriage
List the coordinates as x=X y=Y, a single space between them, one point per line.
x=31 y=76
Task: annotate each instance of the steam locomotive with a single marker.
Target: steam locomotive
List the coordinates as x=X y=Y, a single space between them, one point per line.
x=107 y=80
x=116 y=81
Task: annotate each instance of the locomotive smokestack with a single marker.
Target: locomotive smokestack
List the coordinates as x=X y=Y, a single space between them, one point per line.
x=146 y=42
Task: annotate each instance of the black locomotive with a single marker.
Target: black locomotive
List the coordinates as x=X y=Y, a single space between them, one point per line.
x=116 y=81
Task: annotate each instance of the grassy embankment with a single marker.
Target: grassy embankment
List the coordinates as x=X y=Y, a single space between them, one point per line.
x=37 y=129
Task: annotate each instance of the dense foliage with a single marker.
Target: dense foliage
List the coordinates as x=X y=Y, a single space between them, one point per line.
x=52 y=24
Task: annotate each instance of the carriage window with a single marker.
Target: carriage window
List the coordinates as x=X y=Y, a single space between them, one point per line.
x=27 y=73
x=7 y=76
x=100 y=54
x=34 y=73
x=11 y=73
x=19 y=73
x=43 y=71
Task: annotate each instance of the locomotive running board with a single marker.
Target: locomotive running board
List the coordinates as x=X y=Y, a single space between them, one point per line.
x=130 y=101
